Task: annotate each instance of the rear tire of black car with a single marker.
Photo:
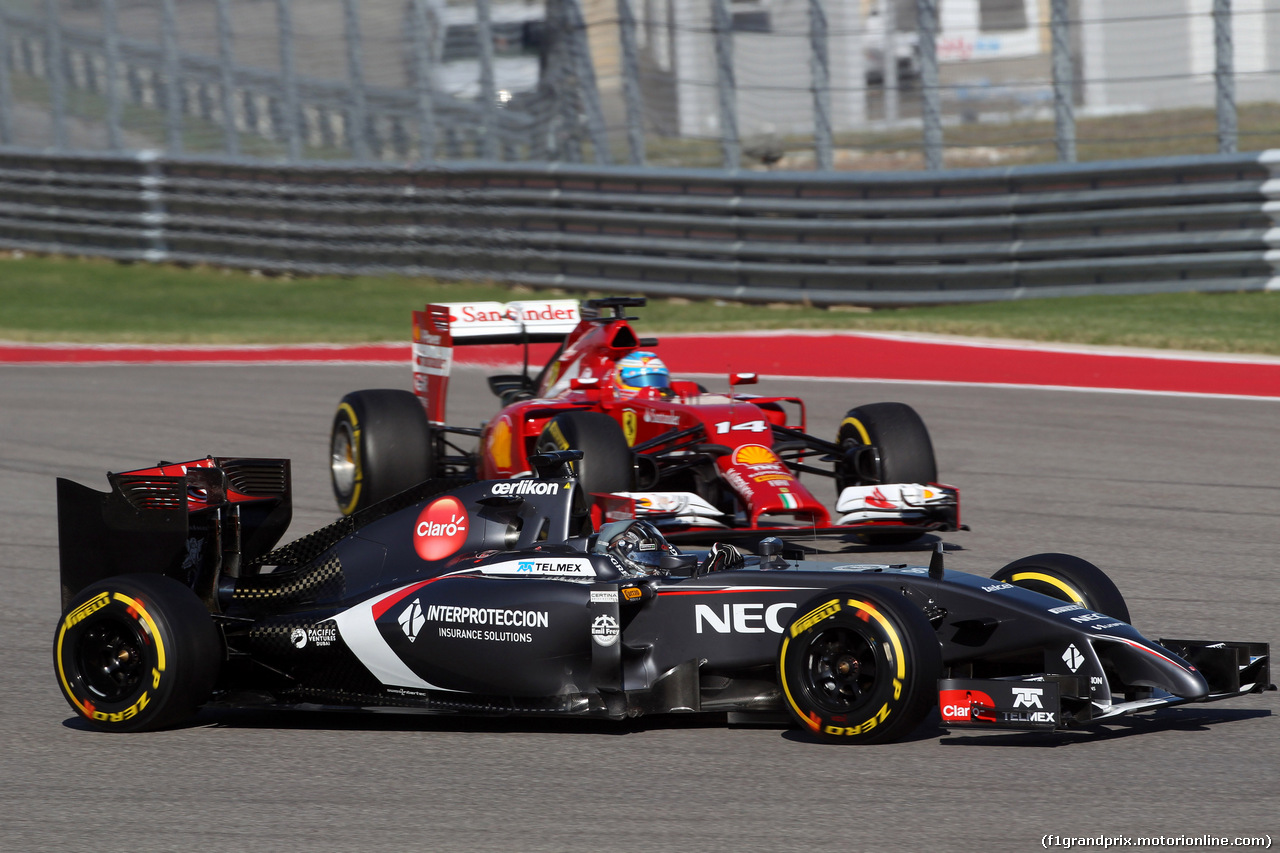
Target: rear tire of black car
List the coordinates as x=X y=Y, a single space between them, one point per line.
x=606 y=457
x=136 y=653
x=860 y=665
x=897 y=435
x=380 y=445
x=1067 y=578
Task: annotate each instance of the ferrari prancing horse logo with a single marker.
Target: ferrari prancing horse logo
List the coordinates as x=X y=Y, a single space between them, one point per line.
x=629 y=426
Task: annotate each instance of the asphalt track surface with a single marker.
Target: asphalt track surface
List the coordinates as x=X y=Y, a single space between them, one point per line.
x=1178 y=498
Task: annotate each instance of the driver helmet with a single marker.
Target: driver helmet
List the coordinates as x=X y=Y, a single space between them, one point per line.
x=638 y=371
x=637 y=548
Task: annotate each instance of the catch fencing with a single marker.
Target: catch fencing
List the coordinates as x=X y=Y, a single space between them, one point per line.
x=1179 y=224
x=795 y=84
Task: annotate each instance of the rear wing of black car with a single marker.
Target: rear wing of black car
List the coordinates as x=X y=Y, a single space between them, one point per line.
x=191 y=521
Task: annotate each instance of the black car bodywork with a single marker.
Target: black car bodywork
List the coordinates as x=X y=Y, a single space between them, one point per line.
x=485 y=598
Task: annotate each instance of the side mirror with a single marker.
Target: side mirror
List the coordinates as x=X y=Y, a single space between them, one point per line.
x=743 y=379
x=577 y=383
x=555 y=463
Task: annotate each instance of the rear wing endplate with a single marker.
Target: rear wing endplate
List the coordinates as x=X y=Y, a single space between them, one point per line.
x=192 y=521
x=438 y=327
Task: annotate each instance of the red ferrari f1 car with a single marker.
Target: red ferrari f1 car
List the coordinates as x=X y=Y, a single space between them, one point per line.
x=693 y=462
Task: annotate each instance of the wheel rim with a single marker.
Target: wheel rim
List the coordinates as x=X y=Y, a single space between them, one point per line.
x=342 y=460
x=112 y=660
x=840 y=669
x=851 y=467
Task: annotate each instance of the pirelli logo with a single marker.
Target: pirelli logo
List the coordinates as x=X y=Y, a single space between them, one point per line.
x=84 y=610
x=813 y=617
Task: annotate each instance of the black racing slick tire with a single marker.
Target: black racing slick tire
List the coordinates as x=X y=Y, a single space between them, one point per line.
x=884 y=443
x=136 y=653
x=606 y=457
x=900 y=439
x=861 y=665
x=1067 y=578
x=380 y=445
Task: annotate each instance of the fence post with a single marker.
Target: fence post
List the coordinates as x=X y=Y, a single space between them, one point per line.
x=889 y=59
x=288 y=78
x=631 y=82
x=557 y=82
x=152 y=188
x=226 y=59
x=726 y=87
x=1064 y=117
x=1224 y=78
x=111 y=48
x=488 y=89
x=426 y=31
x=931 y=95
x=358 y=129
x=172 y=77
x=586 y=74
x=820 y=83
x=6 y=86
x=54 y=70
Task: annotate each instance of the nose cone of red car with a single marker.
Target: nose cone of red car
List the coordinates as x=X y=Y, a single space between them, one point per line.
x=767 y=485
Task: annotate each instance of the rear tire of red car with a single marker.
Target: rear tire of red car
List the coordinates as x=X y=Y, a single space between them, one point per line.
x=860 y=665
x=897 y=435
x=136 y=653
x=1067 y=578
x=606 y=457
x=380 y=445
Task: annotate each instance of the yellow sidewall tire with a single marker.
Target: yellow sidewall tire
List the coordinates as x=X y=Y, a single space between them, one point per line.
x=136 y=652
x=859 y=665
x=1067 y=578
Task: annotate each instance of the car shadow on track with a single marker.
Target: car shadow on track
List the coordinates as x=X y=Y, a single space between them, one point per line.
x=847 y=547
x=290 y=719
x=1167 y=719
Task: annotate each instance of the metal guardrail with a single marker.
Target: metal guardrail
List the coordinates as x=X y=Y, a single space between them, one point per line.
x=1174 y=224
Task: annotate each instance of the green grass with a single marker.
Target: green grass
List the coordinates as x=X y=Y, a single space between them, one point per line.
x=66 y=299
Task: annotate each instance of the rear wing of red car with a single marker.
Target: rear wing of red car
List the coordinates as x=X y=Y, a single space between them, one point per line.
x=438 y=328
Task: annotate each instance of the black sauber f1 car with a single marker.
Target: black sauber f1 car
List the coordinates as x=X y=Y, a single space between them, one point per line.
x=699 y=465
x=500 y=598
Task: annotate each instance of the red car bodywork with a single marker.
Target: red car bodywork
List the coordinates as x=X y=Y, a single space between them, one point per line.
x=757 y=444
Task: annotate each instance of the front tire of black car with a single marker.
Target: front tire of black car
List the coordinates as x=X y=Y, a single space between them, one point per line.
x=380 y=445
x=1067 y=578
x=606 y=457
x=860 y=666
x=136 y=653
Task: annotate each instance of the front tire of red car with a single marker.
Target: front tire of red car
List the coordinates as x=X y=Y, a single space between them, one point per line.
x=136 y=653
x=901 y=440
x=860 y=665
x=884 y=443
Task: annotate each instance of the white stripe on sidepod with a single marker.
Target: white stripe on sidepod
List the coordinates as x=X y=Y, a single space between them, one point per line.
x=361 y=634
